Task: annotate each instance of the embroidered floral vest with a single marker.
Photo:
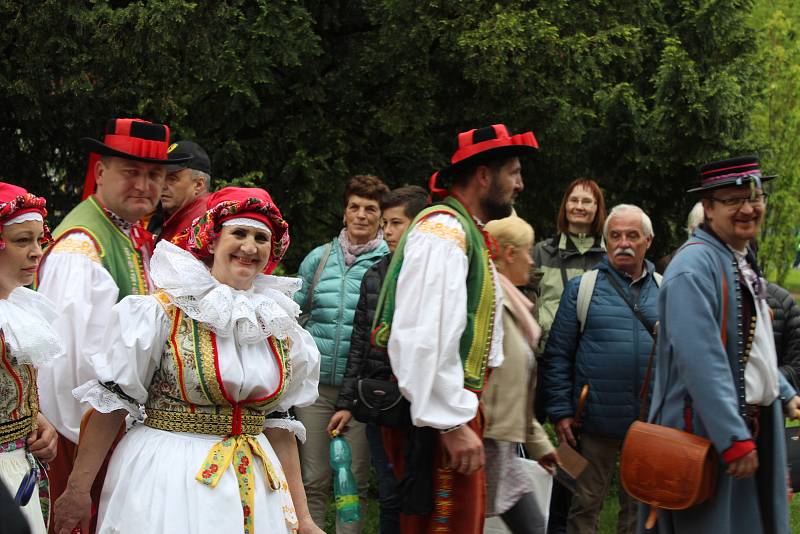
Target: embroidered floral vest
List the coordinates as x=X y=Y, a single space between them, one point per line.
x=187 y=393
x=19 y=400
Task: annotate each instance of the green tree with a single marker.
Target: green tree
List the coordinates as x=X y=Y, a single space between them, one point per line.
x=300 y=95
x=775 y=127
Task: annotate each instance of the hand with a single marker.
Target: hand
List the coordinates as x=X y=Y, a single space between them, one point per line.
x=43 y=442
x=339 y=422
x=564 y=431
x=307 y=526
x=745 y=466
x=73 y=509
x=792 y=408
x=464 y=449
x=549 y=461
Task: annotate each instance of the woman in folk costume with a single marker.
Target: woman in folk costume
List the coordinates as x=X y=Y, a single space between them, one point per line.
x=27 y=439
x=217 y=358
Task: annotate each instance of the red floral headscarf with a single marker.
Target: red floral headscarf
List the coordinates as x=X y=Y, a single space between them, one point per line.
x=237 y=202
x=15 y=201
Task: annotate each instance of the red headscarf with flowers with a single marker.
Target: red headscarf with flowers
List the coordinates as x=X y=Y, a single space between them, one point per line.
x=16 y=201
x=235 y=203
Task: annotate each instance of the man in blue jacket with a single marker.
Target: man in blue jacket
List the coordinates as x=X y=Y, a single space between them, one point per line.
x=606 y=346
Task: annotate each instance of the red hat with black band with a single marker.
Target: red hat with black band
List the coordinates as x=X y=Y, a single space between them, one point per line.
x=134 y=139
x=481 y=145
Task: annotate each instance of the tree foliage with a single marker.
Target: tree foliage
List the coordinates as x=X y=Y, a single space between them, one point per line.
x=775 y=127
x=300 y=95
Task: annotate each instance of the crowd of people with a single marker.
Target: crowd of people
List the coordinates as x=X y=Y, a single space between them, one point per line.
x=157 y=377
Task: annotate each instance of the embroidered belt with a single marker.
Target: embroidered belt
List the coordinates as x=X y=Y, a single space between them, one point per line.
x=17 y=429
x=214 y=424
x=237 y=447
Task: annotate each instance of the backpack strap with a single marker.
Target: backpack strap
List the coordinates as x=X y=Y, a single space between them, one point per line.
x=585 y=290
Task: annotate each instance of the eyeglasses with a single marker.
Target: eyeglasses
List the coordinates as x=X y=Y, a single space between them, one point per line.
x=737 y=202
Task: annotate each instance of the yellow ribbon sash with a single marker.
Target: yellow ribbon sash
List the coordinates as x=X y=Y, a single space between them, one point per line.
x=239 y=451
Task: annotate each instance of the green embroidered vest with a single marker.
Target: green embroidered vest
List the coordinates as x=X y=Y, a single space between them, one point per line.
x=476 y=341
x=115 y=249
x=187 y=394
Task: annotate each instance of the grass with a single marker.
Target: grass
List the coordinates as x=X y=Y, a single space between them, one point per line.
x=608 y=516
x=792 y=284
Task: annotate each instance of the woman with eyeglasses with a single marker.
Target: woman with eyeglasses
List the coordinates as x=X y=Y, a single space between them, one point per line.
x=27 y=439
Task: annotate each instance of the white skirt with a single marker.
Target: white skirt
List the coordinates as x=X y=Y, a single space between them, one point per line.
x=13 y=468
x=150 y=487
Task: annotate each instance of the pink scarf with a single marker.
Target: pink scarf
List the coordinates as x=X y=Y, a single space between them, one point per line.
x=352 y=251
x=521 y=309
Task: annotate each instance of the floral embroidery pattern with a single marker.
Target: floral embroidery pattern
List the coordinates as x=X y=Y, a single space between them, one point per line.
x=26 y=202
x=206 y=228
x=239 y=451
x=443 y=231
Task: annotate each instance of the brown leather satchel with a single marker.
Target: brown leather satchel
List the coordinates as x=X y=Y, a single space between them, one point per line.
x=665 y=467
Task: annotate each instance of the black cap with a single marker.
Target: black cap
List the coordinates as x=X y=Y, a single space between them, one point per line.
x=183 y=149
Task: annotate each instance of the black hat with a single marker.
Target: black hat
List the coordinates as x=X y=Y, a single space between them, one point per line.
x=728 y=172
x=197 y=157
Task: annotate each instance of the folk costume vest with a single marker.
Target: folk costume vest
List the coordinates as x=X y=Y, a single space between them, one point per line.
x=19 y=401
x=114 y=250
x=476 y=341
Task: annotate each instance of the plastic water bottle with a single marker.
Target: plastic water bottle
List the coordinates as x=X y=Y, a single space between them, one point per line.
x=345 y=489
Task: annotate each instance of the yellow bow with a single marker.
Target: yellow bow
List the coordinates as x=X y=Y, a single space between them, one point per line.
x=239 y=451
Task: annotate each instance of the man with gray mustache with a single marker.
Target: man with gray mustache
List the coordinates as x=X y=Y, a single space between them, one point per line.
x=604 y=345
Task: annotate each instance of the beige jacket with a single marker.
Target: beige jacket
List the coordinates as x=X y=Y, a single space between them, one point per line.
x=508 y=398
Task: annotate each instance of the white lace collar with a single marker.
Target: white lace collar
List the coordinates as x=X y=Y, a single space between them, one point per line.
x=265 y=310
x=25 y=318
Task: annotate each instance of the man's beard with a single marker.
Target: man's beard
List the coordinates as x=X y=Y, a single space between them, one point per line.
x=494 y=207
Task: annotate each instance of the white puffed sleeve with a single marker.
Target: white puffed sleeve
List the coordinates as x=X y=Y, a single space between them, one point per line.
x=302 y=390
x=82 y=292
x=429 y=318
x=132 y=346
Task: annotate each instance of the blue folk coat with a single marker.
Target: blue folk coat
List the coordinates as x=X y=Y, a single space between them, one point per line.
x=694 y=369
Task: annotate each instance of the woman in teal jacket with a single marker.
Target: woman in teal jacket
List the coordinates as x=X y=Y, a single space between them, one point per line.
x=335 y=270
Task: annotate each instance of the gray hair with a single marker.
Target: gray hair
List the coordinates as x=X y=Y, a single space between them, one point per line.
x=647 y=225
x=200 y=174
x=695 y=218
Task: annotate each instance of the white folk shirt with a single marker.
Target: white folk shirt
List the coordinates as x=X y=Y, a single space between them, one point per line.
x=429 y=318
x=83 y=292
x=761 y=372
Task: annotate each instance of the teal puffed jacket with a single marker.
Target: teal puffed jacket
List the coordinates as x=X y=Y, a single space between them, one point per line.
x=334 y=304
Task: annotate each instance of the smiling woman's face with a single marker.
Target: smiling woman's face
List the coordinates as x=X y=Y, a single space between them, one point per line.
x=240 y=254
x=20 y=259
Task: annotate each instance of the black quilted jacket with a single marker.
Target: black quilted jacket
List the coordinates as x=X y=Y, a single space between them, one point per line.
x=786 y=327
x=364 y=359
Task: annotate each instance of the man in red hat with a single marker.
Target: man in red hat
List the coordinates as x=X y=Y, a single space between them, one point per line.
x=100 y=255
x=439 y=317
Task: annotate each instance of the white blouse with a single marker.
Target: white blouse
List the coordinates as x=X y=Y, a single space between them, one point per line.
x=82 y=292
x=429 y=319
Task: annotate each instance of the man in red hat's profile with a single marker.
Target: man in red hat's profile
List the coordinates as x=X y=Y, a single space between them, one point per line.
x=100 y=255
x=439 y=316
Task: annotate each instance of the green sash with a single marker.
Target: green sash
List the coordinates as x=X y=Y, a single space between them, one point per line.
x=476 y=341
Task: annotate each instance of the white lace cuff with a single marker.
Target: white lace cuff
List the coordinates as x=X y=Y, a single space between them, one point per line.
x=292 y=425
x=104 y=400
